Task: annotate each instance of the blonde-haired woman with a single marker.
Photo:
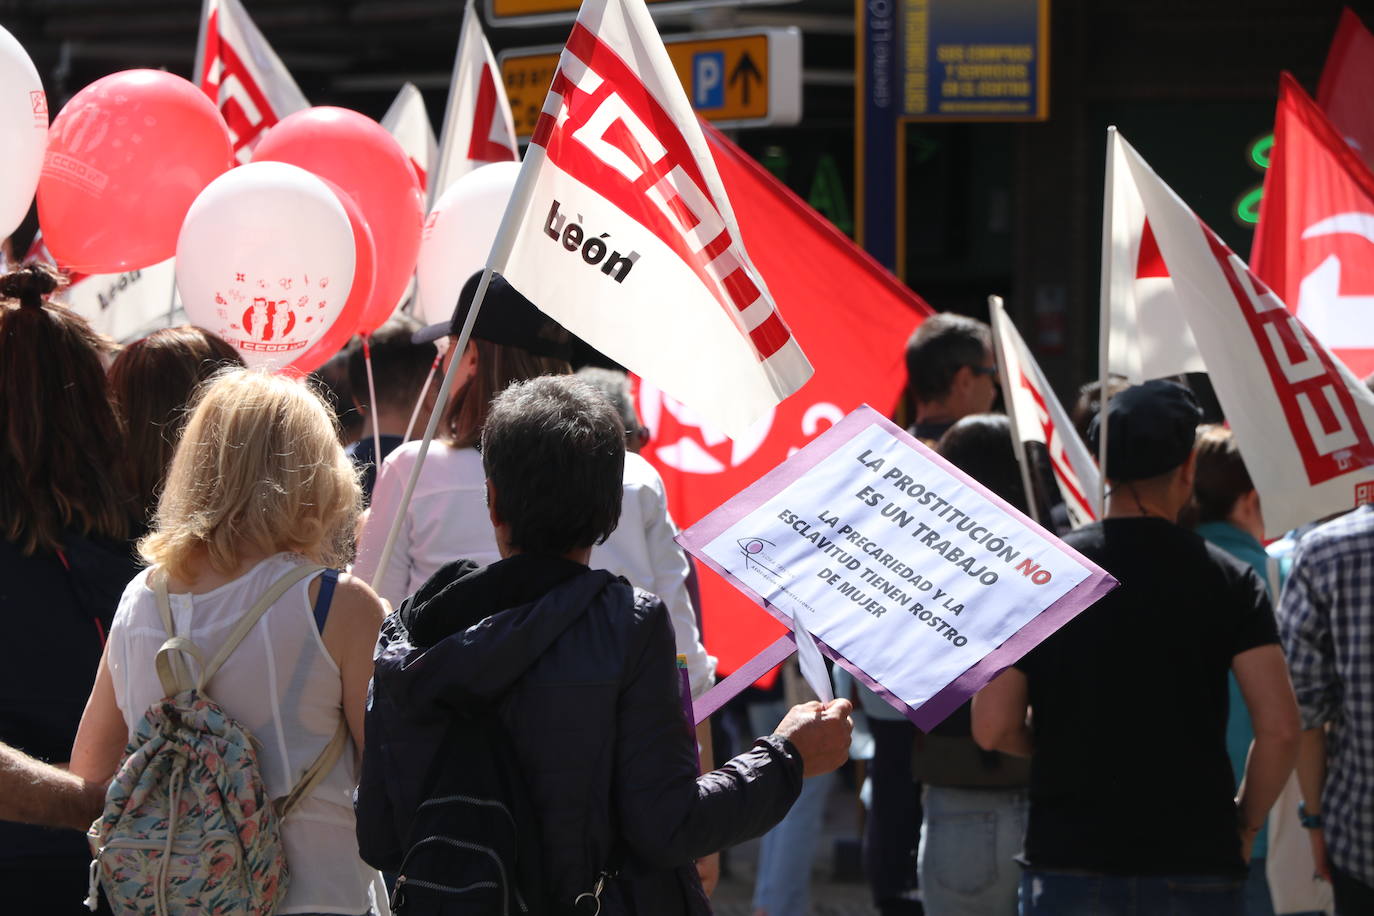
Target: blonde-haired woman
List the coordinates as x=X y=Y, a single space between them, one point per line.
x=258 y=486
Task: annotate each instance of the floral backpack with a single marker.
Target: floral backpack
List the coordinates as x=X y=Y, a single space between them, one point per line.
x=188 y=825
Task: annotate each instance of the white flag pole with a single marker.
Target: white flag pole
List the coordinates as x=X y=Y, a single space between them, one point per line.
x=1104 y=338
x=372 y=406
x=500 y=251
x=419 y=402
x=197 y=68
x=1001 y=343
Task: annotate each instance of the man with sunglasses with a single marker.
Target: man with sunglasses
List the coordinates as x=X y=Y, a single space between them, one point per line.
x=951 y=373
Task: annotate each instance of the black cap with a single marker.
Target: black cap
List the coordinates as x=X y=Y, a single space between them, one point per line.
x=1150 y=430
x=506 y=317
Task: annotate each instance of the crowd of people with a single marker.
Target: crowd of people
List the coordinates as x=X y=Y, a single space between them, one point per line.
x=191 y=545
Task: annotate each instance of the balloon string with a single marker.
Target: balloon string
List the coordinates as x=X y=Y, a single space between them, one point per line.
x=429 y=380
x=372 y=402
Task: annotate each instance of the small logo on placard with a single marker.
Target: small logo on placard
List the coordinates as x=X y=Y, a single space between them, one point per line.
x=1364 y=493
x=757 y=557
x=39 y=100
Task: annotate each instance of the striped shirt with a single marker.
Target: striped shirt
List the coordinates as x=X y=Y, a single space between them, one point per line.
x=1326 y=621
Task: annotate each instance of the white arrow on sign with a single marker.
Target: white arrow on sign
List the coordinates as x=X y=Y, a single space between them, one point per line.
x=1340 y=321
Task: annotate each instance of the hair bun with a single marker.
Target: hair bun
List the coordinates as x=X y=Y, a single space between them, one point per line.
x=30 y=284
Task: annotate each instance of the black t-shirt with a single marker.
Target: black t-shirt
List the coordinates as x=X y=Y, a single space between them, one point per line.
x=1129 y=704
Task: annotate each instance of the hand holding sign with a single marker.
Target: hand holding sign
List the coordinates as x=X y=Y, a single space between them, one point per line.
x=820 y=732
x=910 y=574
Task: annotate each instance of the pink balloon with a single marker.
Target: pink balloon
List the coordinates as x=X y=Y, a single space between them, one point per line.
x=362 y=158
x=126 y=157
x=364 y=281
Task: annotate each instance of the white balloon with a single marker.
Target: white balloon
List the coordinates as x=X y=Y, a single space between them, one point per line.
x=23 y=131
x=458 y=236
x=265 y=260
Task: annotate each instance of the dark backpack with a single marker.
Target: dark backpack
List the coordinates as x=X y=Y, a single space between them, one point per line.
x=473 y=846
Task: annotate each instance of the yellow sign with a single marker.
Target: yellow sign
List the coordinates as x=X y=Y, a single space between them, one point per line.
x=745 y=77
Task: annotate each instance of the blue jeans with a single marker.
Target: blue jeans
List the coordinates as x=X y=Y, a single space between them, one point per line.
x=1048 y=893
x=969 y=842
x=783 y=884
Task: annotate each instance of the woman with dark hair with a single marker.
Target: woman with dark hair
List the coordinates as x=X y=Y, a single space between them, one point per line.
x=153 y=381
x=962 y=873
x=447 y=517
x=64 y=558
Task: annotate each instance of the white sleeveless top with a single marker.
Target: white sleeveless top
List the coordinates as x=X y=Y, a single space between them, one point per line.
x=283 y=686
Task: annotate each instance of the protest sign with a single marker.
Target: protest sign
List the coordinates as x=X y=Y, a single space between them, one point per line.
x=910 y=574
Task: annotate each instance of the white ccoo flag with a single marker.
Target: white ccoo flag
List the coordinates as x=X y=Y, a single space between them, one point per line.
x=242 y=75
x=408 y=121
x=1037 y=416
x=1148 y=335
x=620 y=229
x=1301 y=419
x=478 y=128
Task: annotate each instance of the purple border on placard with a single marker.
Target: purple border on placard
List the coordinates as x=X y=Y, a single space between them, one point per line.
x=957 y=692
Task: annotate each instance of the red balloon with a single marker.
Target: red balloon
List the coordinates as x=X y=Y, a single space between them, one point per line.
x=364 y=277
x=126 y=157
x=362 y=158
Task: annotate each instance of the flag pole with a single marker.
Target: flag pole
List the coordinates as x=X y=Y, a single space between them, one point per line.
x=372 y=406
x=419 y=402
x=500 y=252
x=196 y=70
x=999 y=343
x=1104 y=337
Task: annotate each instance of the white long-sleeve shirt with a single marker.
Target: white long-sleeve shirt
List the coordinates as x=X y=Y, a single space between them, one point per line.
x=448 y=520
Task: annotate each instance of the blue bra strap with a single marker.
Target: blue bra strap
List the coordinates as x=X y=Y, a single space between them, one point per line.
x=328 y=580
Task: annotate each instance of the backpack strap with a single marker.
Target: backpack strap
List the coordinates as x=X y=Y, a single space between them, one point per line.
x=171 y=667
x=250 y=619
x=317 y=770
x=334 y=749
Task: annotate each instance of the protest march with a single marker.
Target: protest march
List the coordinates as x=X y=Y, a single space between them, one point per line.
x=602 y=504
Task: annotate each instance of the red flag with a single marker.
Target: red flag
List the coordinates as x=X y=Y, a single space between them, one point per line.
x=858 y=316
x=1344 y=93
x=1314 y=245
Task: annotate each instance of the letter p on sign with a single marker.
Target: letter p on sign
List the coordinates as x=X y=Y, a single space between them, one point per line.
x=708 y=79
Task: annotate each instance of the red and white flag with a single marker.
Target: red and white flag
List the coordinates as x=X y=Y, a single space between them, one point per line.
x=1301 y=419
x=1344 y=93
x=242 y=75
x=1037 y=416
x=619 y=228
x=1314 y=245
x=1147 y=336
x=408 y=121
x=478 y=128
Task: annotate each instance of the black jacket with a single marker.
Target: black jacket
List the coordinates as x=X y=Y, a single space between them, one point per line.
x=582 y=670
